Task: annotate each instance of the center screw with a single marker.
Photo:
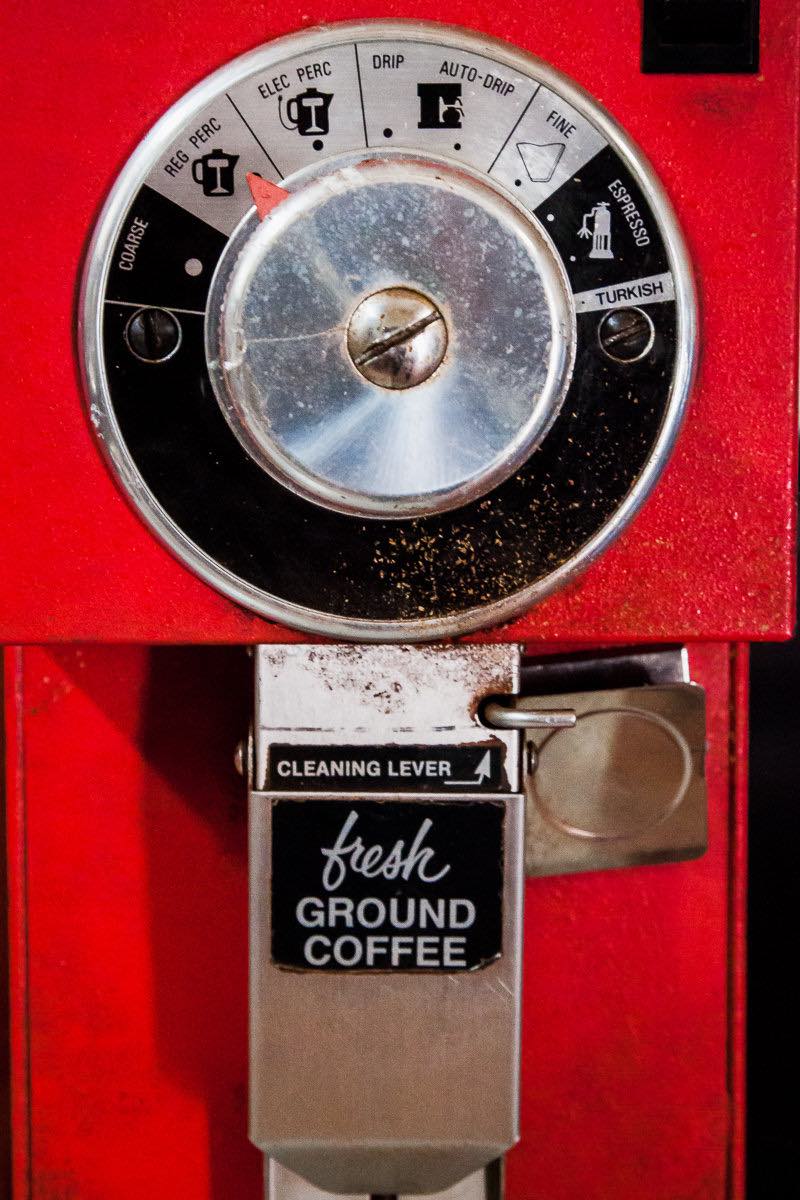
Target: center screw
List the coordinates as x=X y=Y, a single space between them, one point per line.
x=397 y=338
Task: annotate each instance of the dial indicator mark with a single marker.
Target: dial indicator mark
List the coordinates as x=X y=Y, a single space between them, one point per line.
x=254 y=135
x=361 y=96
x=266 y=195
x=513 y=129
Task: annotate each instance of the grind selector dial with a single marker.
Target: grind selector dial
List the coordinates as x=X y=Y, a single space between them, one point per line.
x=387 y=330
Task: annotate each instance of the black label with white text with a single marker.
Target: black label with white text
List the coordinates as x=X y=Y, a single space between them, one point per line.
x=473 y=768
x=387 y=885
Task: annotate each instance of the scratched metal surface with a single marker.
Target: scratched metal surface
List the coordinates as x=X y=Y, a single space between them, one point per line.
x=710 y=554
x=127 y=852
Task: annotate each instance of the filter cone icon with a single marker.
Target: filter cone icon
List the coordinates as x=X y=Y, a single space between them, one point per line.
x=540 y=162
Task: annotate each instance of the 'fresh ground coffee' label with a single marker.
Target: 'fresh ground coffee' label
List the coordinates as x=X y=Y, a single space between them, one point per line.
x=387 y=885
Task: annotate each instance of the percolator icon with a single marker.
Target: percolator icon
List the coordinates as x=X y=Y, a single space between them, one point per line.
x=600 y=233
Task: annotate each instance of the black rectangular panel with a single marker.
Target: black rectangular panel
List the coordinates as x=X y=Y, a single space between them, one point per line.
x=478 y=767
x=700 y=36
x=387 y=885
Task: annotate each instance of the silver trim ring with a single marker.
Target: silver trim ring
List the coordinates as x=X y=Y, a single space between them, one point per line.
x=104 y=422
x=246 y=409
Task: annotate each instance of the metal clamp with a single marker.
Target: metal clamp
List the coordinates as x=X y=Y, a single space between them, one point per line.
x=614 y=748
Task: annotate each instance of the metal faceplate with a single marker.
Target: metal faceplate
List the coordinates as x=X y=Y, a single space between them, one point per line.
x=246 y=402
x=398 y=794
x=386 y=872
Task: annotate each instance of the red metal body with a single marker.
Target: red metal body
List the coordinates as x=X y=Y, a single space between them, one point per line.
x=129 y=894
x=126 y=823
x=710 y=554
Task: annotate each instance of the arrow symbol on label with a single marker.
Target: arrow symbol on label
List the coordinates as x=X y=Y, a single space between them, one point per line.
x=483 y=772
x=484 y=767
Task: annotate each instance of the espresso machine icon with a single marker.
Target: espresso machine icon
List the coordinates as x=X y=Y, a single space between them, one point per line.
x=307 y=112
x=214 y=171
x=600 y=233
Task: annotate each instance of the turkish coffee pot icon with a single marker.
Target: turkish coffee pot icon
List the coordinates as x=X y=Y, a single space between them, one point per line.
x=307 y=112
x=215 y=172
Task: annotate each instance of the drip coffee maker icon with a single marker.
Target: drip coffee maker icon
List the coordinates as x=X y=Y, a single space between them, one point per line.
x=214 y=171
x=440 y=106
x=307 y=112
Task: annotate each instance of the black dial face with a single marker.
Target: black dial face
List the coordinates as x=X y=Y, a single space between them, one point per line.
x=471 y=105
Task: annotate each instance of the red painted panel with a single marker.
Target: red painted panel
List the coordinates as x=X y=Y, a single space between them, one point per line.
x=127 y=844
x=710 y=555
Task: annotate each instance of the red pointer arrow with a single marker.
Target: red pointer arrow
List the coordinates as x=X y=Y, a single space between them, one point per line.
x=265 y=195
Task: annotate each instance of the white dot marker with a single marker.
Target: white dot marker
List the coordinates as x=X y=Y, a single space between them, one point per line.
x=193 y=266
x=550 y=217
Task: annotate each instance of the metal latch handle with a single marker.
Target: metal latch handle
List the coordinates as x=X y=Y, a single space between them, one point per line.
x=524 y=712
